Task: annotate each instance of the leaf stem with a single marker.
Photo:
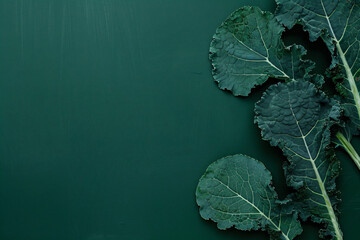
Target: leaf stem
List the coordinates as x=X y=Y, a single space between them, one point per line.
x=350 y=78
x=324 y=193
x=349 y=149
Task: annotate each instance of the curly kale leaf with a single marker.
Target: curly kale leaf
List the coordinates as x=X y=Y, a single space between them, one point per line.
x=297 y=118
x=247 y=49
x=236 y=191
x=337 y=22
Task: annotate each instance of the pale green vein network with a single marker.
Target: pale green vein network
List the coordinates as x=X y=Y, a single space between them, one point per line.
x=236 y=191
x=318 y=179
x=348 y=69
x=342 y=30
x=295 y=117
x=266 y=58
x=247 y=50
x=267 y=217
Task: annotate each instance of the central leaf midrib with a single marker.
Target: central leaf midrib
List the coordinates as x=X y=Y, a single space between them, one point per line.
x=349 y=74
x=266 y=58
x=255 y=207
x=319 y=180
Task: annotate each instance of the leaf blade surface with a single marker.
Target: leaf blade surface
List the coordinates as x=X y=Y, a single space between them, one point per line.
x=247 y=49
x=297 y=118
x=236 y=191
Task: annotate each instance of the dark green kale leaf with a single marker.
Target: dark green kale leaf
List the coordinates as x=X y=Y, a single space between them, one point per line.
x=247 y=49
x=337 y=22
x=237 y=191
x=297 y=118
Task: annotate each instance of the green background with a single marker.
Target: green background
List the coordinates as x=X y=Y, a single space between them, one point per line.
x=109 y=116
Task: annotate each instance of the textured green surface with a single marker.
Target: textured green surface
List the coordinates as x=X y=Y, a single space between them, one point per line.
x=247 y=50
x=236 y=191
x=109 y=116
x=337 y=23
x=297 y=118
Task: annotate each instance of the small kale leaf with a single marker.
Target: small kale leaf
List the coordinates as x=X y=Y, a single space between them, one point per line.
x=237 y=191
x=297 y=118
x=247 y=49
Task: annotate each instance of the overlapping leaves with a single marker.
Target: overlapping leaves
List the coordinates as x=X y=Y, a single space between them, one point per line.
x=294 y=115
x=337 y=22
